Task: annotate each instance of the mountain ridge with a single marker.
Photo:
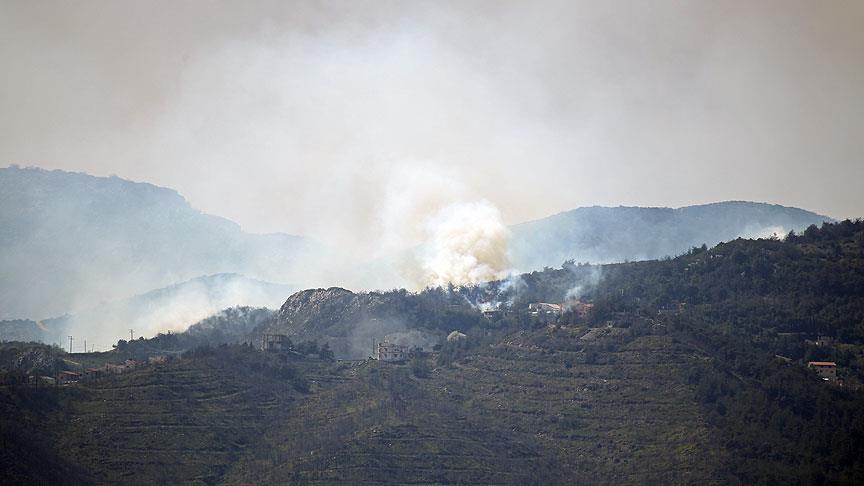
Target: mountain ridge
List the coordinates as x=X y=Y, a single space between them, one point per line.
x=604 y=234
x=69 y=240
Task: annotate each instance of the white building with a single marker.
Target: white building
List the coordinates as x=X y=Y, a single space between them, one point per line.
x=544 y=313
x=543 y=308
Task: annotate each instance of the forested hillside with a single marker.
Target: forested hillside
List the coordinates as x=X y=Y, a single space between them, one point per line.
x=686 y=370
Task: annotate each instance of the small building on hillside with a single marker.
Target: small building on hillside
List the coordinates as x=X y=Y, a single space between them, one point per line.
x=827 y=370
x=388 y=351
x=544 y=313
x=275 y=342
x=824 y=341
x=541 y=308
x=68 y=377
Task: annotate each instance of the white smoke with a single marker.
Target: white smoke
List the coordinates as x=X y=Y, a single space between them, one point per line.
x=587 y=277
x=466 y=244
x=170 y=309
x=501 y=296
x=414 y=338
x=764 y=232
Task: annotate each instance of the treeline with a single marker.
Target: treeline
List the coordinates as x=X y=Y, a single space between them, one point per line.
x=811 y=284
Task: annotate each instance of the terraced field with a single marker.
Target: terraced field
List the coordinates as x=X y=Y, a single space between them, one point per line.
x=630 y=415
x=188 y=421
x=543 y=406
x=383 y=425
x=521 y=412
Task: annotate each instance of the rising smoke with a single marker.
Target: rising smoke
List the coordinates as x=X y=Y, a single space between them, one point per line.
x=171 y=309
x=322 y=105
x=585 y=277
x=467 y=245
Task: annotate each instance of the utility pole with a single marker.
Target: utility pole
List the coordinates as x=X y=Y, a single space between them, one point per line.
x=85 y=345
x=70 y=344
x=131 y=334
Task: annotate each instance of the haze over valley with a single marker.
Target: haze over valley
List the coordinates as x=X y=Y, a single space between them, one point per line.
x=96 y=256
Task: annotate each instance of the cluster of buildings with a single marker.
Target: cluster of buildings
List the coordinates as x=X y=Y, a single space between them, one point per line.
x=392 y=352
x=545 y=312
x=538 y=309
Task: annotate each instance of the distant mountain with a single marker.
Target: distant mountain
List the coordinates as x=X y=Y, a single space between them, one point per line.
x=171 y=308
x=605 y=234
x=71 y=240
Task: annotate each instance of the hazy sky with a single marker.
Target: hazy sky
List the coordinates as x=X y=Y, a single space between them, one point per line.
x=343 y=120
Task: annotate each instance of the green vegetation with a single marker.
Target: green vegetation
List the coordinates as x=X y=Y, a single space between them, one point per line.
x=671 y=378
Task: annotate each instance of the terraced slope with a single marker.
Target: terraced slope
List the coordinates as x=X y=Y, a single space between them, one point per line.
x=188 y=421
x=383 y=425
x=624 y=415
x=552 y=405
x=525 y=410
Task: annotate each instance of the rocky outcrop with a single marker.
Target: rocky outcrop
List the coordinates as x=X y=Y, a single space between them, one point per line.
x=352 y=322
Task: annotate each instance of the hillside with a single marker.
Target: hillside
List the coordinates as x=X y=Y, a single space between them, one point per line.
x=230 y=414
x=604 y=234
x=673 y=377
x=350 y=322
x=69 y=241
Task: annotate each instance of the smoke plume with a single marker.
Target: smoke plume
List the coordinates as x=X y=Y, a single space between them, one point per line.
x=586 y=277
x=467 y=244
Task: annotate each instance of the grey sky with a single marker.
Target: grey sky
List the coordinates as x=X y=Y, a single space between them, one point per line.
x=343 y=120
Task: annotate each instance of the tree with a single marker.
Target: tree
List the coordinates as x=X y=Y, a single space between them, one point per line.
x=308 y=347
x=419 y=366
